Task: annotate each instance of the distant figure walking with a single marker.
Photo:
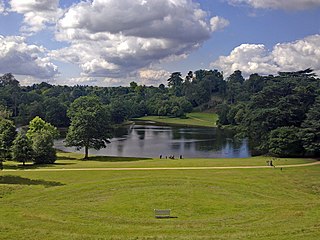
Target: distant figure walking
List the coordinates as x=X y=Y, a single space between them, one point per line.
x=180 y=156
x=160 y=156
x=271 y=164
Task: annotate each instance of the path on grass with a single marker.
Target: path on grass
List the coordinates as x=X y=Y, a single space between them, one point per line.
x=162 y=168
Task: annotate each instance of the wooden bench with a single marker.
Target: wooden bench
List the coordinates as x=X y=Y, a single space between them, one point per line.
x=162 y=213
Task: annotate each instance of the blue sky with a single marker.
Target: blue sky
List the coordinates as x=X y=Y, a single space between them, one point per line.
x=114 y=42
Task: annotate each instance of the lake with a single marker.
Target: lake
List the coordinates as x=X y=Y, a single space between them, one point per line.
x=149 y=140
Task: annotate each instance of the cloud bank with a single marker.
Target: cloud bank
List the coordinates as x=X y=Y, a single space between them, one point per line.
x=124 y=40
x=255 y=58
x=17 y=57
x=111 y=38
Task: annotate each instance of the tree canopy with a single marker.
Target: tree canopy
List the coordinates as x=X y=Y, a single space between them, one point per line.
x=22 y=148
x=90 y=124
x=41 y=135
x=279 y=114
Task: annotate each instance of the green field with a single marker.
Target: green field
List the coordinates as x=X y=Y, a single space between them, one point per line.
x=209 y=204
x=193 y=119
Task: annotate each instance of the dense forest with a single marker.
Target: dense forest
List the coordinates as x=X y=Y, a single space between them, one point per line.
x=52 y=102
x=279 y=114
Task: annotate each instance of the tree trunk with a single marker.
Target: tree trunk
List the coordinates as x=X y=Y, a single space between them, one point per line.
x=86 y=152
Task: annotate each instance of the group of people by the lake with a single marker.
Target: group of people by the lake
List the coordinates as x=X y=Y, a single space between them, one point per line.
x=170 y=157
x=270 y=163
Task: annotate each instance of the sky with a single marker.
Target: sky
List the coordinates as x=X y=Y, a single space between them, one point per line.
x=115 y=42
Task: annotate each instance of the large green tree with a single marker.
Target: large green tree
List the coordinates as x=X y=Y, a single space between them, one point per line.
x=90 y=124
x=22 y=148
x=42 y=146
x=38 y=125
x=42 y=134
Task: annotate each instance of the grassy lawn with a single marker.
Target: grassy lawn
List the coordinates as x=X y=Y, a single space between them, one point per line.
x=193 y=119
x=208 y=204
x=74 y=160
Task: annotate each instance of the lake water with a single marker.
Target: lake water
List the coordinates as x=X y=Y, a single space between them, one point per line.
x=148 y=140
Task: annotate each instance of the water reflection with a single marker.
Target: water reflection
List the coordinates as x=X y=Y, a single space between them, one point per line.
x=152 y=141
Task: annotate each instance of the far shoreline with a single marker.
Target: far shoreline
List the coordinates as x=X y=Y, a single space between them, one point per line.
x=195 y=119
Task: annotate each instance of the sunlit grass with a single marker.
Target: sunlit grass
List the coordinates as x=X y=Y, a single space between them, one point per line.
x=193 y=119
x=75 y=160
x=209 y=204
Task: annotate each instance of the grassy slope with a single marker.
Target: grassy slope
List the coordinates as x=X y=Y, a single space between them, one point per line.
x=209 y=204
x=193 y=119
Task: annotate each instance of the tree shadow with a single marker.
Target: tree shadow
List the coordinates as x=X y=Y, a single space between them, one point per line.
x=9 y=179
x=28 y=166
x=66 y=158
x=116 y=159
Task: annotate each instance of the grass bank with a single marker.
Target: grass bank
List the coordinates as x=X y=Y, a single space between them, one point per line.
x=209 y=204
x=192 y=119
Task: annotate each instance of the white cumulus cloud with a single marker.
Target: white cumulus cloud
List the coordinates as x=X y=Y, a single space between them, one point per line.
x=112 y=38
x=279 y=4
x=256 y=58
x=19 y=58
x=37 y=13
x=218 y=23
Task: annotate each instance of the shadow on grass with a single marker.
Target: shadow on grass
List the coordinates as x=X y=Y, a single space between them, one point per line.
x=116 y=159
x=34 y=166
x=9 y=179
x=66 y=158
x=167 y=217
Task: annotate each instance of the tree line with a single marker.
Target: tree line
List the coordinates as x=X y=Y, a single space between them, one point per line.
x=279 y=114
x=51 y=102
